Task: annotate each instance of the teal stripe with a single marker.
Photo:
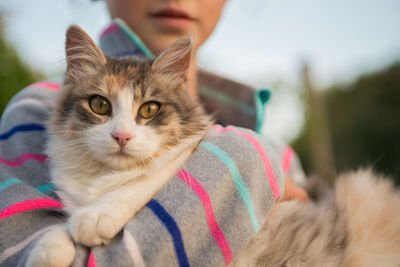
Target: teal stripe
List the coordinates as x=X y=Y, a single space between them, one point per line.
x=264 y=138
x=46 y=187
x=237 y=179
x=261 y=97
x=227 y=100
x=276 y=154
x=42 y=188
x=8 y=183
x=136 y=40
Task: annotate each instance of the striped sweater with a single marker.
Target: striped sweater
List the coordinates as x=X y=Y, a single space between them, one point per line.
x=202 y=217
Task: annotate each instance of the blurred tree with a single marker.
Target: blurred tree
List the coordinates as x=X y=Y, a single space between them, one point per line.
x=321 y=150
x=364 y=120
x=14 y=74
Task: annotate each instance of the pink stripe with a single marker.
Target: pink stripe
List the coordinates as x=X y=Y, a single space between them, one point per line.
x=92 y=260
x=23 y=158
x=47 y=85
x=287 y=159
x=218 y=127
x=111 y=29
x=212 y=223
x=268 y=169
x=28 y=205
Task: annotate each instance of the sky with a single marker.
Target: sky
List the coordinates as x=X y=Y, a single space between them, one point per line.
x=259 y=42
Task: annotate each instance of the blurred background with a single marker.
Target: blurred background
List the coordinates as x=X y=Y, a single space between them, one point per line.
x=333 y=68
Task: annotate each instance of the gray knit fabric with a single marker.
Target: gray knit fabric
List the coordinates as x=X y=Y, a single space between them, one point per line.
x=210 y=224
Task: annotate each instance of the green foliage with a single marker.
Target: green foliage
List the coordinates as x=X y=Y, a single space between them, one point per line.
x=364 y=120
x=14 y=74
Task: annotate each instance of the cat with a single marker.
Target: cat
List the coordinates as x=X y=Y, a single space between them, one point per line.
x=121 y=129
x=357 y=224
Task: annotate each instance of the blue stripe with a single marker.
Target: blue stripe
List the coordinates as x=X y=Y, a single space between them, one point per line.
x=22 y=128
x=237 y=179
x=9 y=182
x=172 y=228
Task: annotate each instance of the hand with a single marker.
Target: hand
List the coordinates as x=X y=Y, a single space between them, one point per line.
x=293 y=192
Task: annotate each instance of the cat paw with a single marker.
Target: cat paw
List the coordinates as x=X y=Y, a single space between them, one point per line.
x=94 y=226
x=54 y=249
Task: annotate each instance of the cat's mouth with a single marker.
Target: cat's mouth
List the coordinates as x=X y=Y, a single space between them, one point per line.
x=121 y=153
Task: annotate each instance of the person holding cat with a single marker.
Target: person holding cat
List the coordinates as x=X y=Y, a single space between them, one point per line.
x=159 y=24
x=206 y=213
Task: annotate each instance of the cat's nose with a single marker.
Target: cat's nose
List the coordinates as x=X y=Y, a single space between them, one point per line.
x=122 y=138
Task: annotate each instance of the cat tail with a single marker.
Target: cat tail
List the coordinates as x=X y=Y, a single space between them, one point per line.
x=357 y=224
x=371 y=205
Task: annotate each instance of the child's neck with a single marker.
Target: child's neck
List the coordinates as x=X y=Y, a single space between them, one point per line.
x=192 y=79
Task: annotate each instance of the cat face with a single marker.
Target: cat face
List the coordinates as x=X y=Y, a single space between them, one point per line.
x=126 y=112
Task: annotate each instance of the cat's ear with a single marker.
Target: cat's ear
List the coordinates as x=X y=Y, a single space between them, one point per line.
x=175 y=60
x=82 y=54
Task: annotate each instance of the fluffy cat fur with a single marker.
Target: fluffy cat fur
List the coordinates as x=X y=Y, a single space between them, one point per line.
x=107 y=167
x=357 y=224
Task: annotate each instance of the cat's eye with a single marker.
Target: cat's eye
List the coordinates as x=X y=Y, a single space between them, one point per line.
x=100 y=105
x=149 y=110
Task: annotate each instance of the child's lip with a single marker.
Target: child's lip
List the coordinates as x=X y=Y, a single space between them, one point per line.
x=171 y=13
